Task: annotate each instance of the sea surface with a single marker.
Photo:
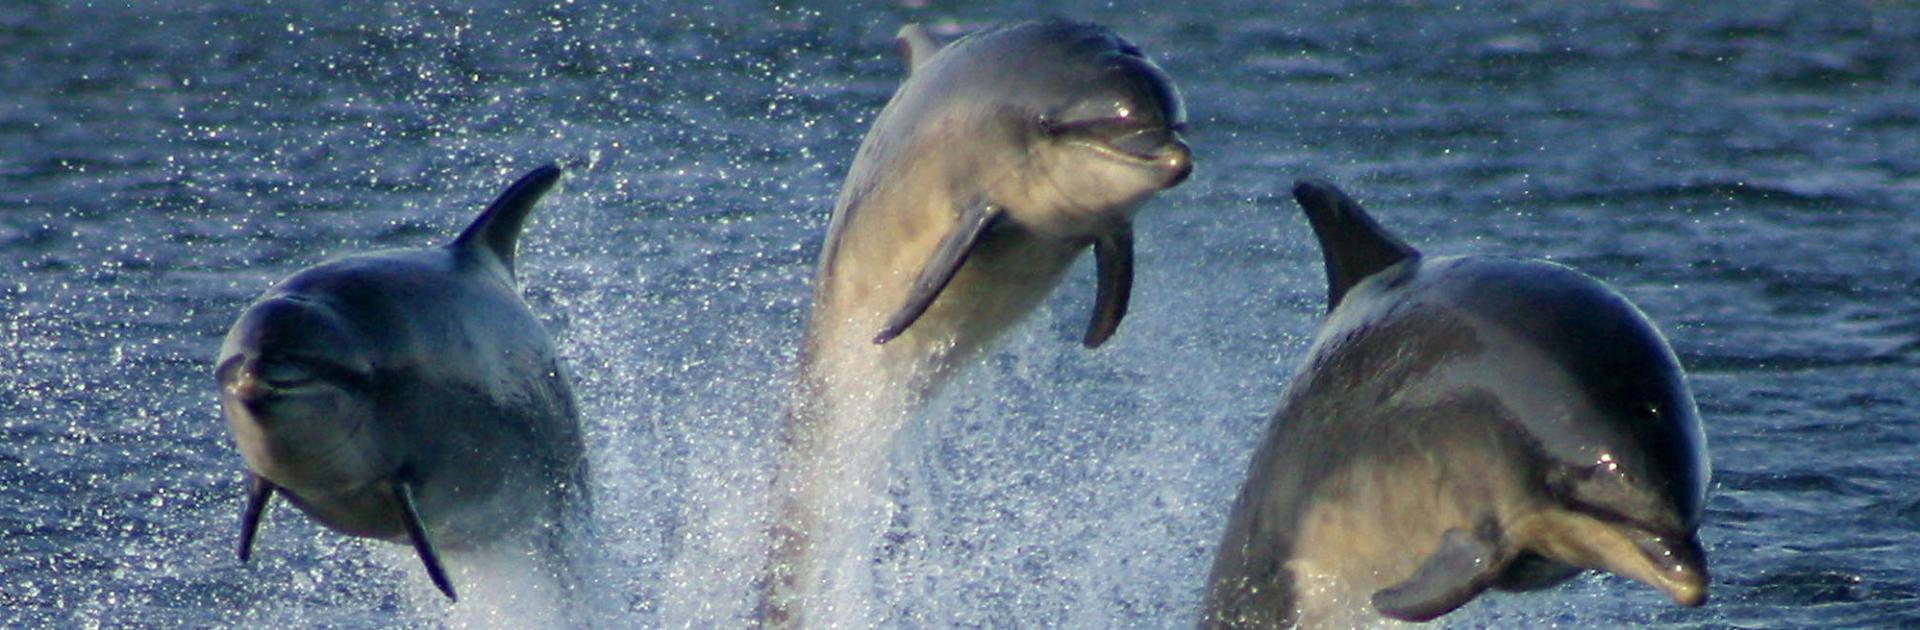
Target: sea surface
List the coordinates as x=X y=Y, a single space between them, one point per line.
x=1747 y=172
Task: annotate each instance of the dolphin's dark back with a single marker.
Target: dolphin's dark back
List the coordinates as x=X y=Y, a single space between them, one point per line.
x=498 y=228
x=1354 y=245
x=1613 y=352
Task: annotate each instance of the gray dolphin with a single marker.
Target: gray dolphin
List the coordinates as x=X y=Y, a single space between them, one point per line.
x=1461 y=424
x=999 y=159
x=408 y=395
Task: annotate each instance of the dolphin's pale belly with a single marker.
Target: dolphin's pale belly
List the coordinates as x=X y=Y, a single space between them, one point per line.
x=997 y=288
x=859 y=394
x=1361 y=477
x=1368 y=528
x=366 y=512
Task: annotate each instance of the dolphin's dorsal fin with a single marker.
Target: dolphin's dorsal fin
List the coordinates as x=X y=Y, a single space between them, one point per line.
x=915 y=46
x=1355 y=246
x=498 y=228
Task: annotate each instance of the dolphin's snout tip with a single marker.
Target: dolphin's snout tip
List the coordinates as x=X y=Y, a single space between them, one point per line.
x=1177 y=158
x=1691 y=597
x=1680 y=568
x=1687 y=591
x=240 y=379
x=1686 y=583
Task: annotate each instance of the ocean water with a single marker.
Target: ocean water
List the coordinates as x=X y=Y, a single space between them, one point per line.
x=1748 y=173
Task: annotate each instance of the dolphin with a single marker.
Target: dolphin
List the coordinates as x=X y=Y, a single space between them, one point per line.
x=408 y=396
x=1000 y=158
x=1461 y=424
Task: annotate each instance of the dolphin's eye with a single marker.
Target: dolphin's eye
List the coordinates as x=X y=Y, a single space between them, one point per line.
x=1606 y=465
x=1048 y=126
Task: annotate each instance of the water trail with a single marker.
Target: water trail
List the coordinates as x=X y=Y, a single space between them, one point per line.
x=509 y=586
x=500 y=590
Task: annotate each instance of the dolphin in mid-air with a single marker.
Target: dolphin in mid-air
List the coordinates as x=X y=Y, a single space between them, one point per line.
x=1461 y=424
x=409 y=396
x=999 y=159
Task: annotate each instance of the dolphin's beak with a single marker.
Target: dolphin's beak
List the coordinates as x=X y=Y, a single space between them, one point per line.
x=240 y=379
x=1160 y=146
x=1177 y=159
x=1157 y=145
x=1675 y=564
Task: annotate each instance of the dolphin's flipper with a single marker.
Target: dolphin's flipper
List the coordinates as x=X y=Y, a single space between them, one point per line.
x=417 y=532
x=1353 y=244
x=1458 y=571
x=498 y=228
x=915 y=46
x=259 y=491
x=974 y=221
x=1113 y=258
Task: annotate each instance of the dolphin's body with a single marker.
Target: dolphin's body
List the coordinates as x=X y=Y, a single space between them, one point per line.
x=409 y=396
x=1001 y=158
x=1461 y=424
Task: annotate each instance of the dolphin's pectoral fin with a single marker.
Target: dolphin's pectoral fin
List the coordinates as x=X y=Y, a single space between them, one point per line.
x=259 y=491
x=915 y=46
x=1113 y=258
x=1353 y=245
x=417 y=532
x=974 y=221
x=1459 y=570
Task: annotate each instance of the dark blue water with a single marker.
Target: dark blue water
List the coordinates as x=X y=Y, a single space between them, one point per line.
x=1748 y=173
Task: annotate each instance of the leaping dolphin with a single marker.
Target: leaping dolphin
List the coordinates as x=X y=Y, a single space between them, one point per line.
x=999 y=159
x=409 y=396
x=1461 y=424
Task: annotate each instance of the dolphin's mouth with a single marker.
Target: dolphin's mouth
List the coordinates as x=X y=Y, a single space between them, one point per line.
x=1675 y=564
x=284 y=375
x=1668 y=559
x=1150 y=146
x=258 y=381
x=1122 y=138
